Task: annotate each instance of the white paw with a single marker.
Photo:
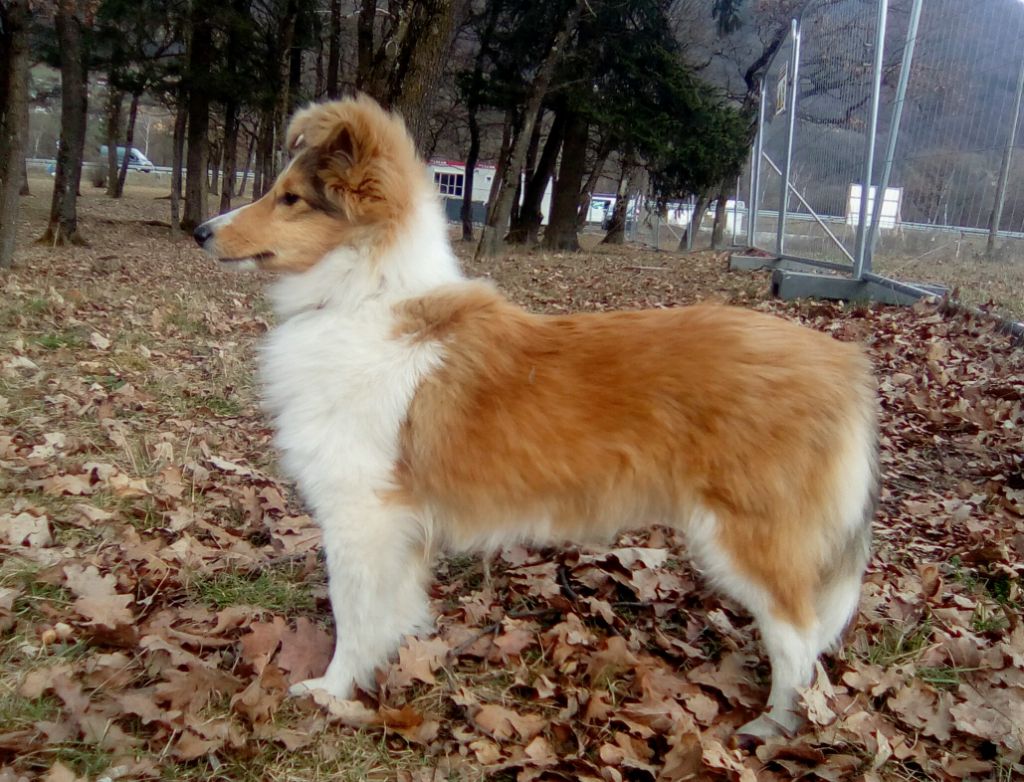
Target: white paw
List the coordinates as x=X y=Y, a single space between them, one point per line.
x=333 y=686
x=769 y=725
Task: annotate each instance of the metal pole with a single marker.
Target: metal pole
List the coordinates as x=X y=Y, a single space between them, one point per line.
x=750 y=195
x=657 y=229
x=735 y=211
x=894 y=132
x=755 y=191
x=690 y=231
x=1004 y=171
x=869 y=155
x=791 y=89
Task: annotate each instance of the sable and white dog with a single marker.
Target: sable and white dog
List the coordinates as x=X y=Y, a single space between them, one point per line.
x=420 y=410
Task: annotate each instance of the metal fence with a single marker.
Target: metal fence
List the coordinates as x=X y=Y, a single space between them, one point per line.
x=923 y=102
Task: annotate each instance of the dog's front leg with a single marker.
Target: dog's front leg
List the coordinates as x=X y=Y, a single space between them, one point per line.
x=377 y=569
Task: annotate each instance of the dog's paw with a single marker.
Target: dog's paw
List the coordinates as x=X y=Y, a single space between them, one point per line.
x=758 y=731
x=332 y=686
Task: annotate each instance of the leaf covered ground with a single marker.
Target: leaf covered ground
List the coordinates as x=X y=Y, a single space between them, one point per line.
x=160 y=585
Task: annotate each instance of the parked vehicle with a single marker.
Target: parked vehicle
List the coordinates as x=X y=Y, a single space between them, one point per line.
x=136 y=160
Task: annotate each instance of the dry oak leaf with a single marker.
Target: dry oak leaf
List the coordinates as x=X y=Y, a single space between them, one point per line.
x=262 y=640
x=502 y=724
x=66 y=484
x=25 y=530
x=417 y=661
x=305 y=651
x=97 y=600
x=258 y=702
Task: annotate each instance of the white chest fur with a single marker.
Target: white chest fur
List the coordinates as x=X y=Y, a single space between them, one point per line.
x=339 y=385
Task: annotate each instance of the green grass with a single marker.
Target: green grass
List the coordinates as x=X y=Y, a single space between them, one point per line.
x=110 y=382
x=943 y=677
x=268 y=589
x=228 y=408
x=69 y=338
x=18 y=712
x=898 y=644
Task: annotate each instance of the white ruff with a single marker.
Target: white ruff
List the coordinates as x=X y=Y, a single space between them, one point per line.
x=339 y=383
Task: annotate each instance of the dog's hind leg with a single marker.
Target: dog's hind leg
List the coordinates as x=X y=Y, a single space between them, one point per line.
x=377 y=569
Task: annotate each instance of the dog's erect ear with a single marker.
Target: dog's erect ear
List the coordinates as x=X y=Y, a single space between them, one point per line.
x=324 y=127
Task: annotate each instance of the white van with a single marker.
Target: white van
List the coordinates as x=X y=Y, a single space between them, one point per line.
x=136 y=160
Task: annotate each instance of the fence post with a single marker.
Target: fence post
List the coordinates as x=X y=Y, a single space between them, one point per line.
x=1004 y=171
x=894 y=131
x=869 y=154
x=755 y=173
x=736 y=212
x=791 y=89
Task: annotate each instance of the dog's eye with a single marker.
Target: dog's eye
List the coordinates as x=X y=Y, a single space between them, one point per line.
x=290 y=199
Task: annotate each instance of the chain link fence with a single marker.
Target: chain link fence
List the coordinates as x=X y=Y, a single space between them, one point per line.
x=922 y=101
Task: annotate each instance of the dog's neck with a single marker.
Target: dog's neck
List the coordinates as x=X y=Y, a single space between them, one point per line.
x=347 y=279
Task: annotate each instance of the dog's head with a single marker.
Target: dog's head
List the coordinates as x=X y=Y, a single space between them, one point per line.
x=352 y=181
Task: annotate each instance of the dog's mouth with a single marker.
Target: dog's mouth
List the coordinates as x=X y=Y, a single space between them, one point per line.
x=257 y=258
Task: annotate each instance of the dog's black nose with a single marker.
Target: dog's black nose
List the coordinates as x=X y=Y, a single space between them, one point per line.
x=202 y=234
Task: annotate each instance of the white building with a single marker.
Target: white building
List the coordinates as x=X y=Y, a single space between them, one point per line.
x=450 y=179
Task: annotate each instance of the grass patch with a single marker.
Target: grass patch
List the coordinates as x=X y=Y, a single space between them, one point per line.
x=69 y=338
x=898 y=644
x=17 y=712
x=267 y=589
x=222 y=406
x=944 y=677
x=110 y=382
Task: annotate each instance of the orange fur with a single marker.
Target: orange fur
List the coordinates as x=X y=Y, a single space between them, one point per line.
x=603 y=421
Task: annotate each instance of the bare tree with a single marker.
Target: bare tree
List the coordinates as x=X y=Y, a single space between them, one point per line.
x=401 y=65
x=200 y=61
x=14 y=62
x=70 y=22
x=492 y=239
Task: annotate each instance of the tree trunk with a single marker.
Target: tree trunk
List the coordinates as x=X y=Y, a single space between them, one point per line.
x=14 y=66
x=502 y=164
x=230 y=154
x=63 y=223
x=215 y=154
x=491 y=242
x=129 y=140
x=264 y=154
x=561 y=231
x=177 y=159
x=530 y=213
x=718 y=229
x=515 y=231
x=199 y=65
x=289 y=77
x=114 y=101
x=24 y=137
x=414 y=81
x=604 y=149
x=334 y=52
x=466 y=212
x=364 y=44
x=617 y=224
x=248 y=165
x=473 y=110
x=696 y=218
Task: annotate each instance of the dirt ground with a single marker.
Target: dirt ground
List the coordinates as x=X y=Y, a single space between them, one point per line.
x=160 y=584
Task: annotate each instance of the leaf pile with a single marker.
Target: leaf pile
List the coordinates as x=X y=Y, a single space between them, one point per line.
x=160 y=586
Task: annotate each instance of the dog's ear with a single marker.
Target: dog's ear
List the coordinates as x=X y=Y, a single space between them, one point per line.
x=325 y=128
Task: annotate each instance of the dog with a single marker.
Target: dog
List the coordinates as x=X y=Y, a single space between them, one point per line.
x=418 y=410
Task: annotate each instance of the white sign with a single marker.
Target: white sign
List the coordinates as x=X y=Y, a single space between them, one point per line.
x=890 y=216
